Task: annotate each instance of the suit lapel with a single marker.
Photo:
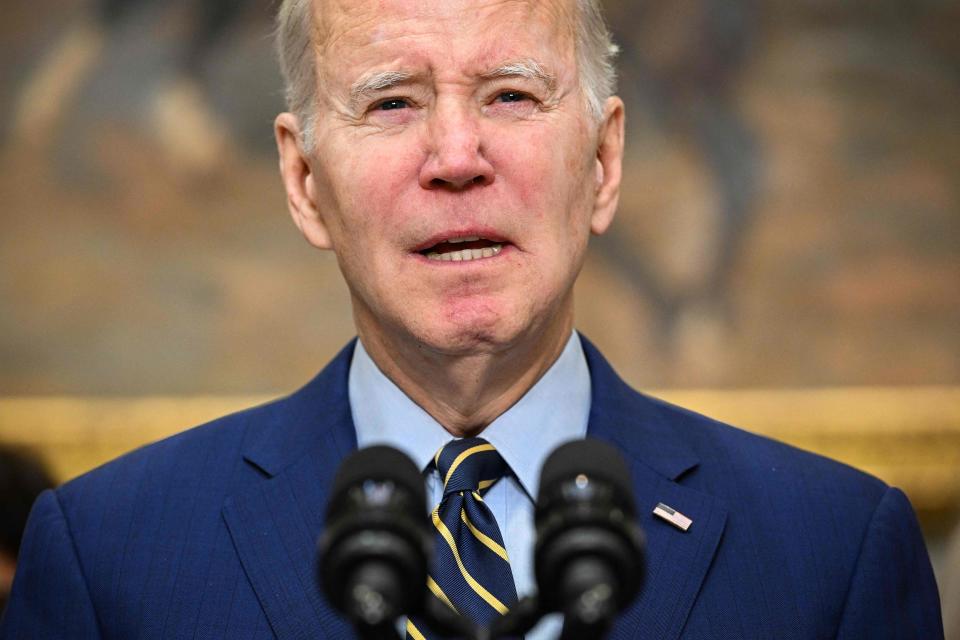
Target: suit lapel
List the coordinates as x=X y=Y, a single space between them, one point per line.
x=275 y=522
x=677 y=561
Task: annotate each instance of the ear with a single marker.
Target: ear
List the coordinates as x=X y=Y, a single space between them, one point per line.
x=299 y=182
x=608 y=166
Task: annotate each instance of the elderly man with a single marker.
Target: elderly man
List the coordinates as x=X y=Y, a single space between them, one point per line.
x=456 y=156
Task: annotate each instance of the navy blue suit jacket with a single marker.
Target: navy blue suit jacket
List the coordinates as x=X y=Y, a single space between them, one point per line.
x=212 y=533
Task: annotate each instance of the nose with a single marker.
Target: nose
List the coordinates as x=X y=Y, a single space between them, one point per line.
x=456 y=158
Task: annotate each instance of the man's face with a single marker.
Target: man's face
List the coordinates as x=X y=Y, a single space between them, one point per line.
x=456 y=169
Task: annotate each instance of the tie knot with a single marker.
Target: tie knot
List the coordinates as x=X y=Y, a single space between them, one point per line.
x=470 y=464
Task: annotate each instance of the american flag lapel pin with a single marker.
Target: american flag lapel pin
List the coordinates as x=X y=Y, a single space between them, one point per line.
x=672 y=516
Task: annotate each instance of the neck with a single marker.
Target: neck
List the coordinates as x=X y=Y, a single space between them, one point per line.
x=465 y=392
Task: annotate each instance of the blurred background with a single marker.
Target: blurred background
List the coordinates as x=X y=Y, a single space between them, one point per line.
x=786 y=255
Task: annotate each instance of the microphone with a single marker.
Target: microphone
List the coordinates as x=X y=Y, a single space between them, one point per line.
x=589 y=552
x=376 y=546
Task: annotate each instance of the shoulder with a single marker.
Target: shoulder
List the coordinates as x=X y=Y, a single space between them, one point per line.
x=844 y=547
x=180 y=483
x=719 y=443
x=841 y=542
x=733 y=457
x=750 y=474
x=222 y=455
x=203 y=462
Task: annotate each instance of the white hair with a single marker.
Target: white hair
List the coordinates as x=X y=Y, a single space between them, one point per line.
x=595 y=49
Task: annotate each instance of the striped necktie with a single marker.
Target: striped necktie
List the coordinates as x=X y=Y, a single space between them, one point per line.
x=471 y=572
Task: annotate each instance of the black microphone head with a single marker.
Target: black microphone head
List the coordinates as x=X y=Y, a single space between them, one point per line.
x=588 y=457
x=587 y=534
x=382 y=464
x=376 y=545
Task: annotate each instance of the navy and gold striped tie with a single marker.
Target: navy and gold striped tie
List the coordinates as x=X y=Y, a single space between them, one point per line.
x=471 y=572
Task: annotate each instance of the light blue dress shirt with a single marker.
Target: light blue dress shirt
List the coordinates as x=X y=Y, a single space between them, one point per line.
x=555 y=410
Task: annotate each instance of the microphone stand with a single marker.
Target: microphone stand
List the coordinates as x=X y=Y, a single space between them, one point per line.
x=446 y=622
x=590 y=589
x=370 y=598
x=370 y=623
x=522 y=617
x=591 y=616
x=588 y=617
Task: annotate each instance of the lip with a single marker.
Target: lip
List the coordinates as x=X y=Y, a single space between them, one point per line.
x=483 y=232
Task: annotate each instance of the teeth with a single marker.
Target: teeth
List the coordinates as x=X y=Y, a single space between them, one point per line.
x=465 y=239
x=465 y=255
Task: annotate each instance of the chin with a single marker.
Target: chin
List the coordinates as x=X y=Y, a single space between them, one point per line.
x=464 y=340
x=472 y=334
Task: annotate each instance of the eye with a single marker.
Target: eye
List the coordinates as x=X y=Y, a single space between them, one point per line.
x=511 y=96
x=391 y=104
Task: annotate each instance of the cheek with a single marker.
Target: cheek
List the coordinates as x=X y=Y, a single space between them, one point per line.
x=530 y=174
x=546 y=164
x=371 y=182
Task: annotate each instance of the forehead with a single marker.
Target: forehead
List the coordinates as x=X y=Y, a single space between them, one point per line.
x=352 y=33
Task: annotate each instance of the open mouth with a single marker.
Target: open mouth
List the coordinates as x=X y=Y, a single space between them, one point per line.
x=463 y=249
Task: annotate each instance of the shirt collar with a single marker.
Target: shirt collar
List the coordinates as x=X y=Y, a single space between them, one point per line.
x=555 y=410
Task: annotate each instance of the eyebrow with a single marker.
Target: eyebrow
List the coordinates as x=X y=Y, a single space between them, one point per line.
x=528 y=69
x=379 y=81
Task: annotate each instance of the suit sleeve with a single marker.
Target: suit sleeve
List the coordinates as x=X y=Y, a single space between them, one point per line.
x=893 y=593
x=49 y=598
